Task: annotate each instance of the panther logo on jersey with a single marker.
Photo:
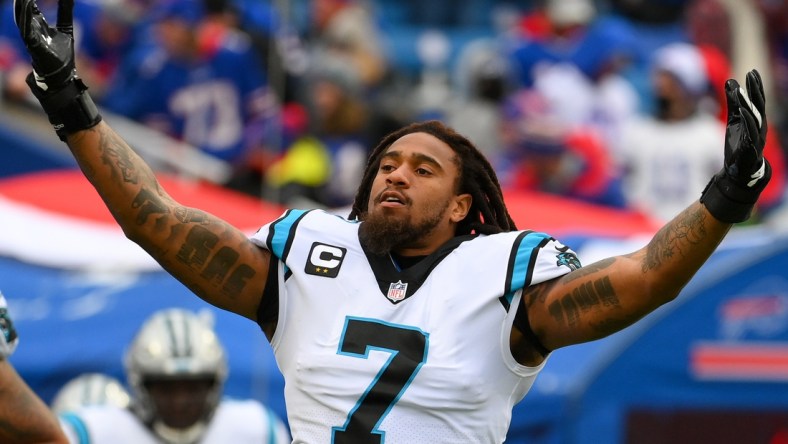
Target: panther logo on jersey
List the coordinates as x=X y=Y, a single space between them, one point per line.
x=324 y=260
x=566 y=257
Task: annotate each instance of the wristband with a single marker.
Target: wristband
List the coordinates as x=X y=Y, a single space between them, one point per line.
x=69 y=109
x=730 y=201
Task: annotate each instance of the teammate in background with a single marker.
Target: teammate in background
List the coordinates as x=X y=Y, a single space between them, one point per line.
x=24 y=417
x=176 y=368
x=427 y=315
x=90 y=389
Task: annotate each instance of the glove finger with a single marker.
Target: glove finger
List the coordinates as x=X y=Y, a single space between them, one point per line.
x=732 y=89
x=755 y=88
x=751 y=131
x=36 y=33
x=65 y=17
x=31 y=23
x=23 y=12
x=756 y=96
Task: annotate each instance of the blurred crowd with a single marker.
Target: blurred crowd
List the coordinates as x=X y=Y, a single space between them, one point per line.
x=613 y=102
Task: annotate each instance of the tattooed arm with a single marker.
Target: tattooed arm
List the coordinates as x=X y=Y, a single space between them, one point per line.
x=604 y=297
x=213 y=259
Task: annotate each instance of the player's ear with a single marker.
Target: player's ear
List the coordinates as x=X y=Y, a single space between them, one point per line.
x=461 y=206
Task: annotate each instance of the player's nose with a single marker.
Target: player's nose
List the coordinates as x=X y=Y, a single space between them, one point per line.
x=399 y=176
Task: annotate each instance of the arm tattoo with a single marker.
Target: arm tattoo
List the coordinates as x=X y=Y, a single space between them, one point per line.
x=220 y=266
x=123 y=164
x=195 y=251
x=586 y=296
x=115 y=152
x=237 y=280
x=588 y=269
x=189 y=215
x=203 y=250
x=148 y=203
x=686 y=230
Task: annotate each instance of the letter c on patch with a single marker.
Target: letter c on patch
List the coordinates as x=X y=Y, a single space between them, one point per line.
x=325 y=260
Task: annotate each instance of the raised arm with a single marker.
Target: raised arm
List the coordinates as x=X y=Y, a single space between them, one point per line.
x=215 y=260
x=609 y=295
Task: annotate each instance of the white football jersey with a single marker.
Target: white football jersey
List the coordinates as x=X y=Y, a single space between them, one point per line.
x=235 y=421
x=374 y=354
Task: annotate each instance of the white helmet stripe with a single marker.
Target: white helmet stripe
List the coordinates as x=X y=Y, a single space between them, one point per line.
x=179 y=335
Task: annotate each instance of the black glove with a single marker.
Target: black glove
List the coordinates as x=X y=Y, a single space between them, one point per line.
x=54 y=79
x=732 y=193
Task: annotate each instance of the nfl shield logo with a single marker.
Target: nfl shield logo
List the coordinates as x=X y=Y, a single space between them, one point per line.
x=397 y=291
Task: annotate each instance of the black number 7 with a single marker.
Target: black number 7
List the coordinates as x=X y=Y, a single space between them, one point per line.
x=408 y=348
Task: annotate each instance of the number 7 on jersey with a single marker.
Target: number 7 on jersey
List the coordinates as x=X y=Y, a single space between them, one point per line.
x=408 y=348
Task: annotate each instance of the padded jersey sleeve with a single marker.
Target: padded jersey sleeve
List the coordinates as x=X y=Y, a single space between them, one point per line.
x=277 y=236
x=537 y=257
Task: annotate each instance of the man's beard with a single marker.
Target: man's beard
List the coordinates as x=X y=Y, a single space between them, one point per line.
x=379 y=234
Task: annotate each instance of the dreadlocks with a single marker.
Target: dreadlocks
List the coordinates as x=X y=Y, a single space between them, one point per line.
x=488 y=213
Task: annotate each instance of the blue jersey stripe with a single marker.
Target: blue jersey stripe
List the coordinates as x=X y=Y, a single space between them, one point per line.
x=269 y=419
x=280 y=236
x=78 y=426
x=524 y=257
x=281 y=231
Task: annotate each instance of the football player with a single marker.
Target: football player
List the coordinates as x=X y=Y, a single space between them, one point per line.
x=176 y=368
x=426 y=315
